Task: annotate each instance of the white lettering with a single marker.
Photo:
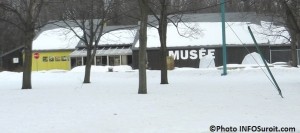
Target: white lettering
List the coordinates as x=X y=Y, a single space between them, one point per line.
x=184 y=54
x=175 y=54
x=193 y=54
x=202 y=53
x=211 y=53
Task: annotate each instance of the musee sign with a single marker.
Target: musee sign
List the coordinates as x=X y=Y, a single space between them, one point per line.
x=192 y=54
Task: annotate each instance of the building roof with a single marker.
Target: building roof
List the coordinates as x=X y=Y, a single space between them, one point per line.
x=125 y=36
x=11 y=51
x=210 y=34
x=57 y=39
x=117 y=40
x=215 y=17
x=54 y=37
x=117 y=36
x=229 y=17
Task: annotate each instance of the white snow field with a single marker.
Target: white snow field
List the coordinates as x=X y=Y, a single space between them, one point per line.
x=194 y=100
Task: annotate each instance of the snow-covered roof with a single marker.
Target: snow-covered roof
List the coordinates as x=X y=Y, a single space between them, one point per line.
x=210 y=34
x=57 y=39
x=118 y=37
x=215 y=17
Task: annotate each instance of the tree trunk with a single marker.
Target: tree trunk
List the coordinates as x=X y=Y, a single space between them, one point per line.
x=164 y=68
x=293 y=29
x=88 y=65
x=143 y=46
x=27 y=67
x=163 y=52
x=163 y=42
x=294 y=62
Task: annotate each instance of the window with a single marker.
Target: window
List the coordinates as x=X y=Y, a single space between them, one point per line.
x=114 y=60
x=57 y=58
x=98 y=60
x=104 y=60
x=51 y=58
x=45 y=59
x=64 y=58
x=79 y=61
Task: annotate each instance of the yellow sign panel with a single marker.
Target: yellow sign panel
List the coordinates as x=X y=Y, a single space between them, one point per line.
x=49 y=60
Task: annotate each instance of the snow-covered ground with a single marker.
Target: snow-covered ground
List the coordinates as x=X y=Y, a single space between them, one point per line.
x=194 y=100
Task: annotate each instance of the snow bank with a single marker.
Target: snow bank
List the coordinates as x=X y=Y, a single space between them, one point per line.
x=252 y=59
x=194 y=100
x=207 y=62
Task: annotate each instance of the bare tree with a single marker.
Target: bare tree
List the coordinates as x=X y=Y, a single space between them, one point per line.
x=10 y=37
x=122 y=10
x=163 y=11
x=285 y=13
x=24 y=15
x=292 y=18
x=161 y=6
x=90 y=16
x=143 y=6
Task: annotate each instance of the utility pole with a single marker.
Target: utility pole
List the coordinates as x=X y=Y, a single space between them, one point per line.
x=224 y=50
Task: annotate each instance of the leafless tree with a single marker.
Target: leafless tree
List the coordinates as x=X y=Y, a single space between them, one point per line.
x=122 y=10
x=90 y=16
x=23 y=14
x=163 y=11
x=292 y=18
x=10 y=37
x=162 y=6
x=285 y=13
x=143 y=7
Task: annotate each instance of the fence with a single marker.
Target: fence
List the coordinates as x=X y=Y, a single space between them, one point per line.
x=283 y=55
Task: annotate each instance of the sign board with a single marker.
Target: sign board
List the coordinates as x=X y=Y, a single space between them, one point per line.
x=193 y=54
x=36 y=55
x=15 y=60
